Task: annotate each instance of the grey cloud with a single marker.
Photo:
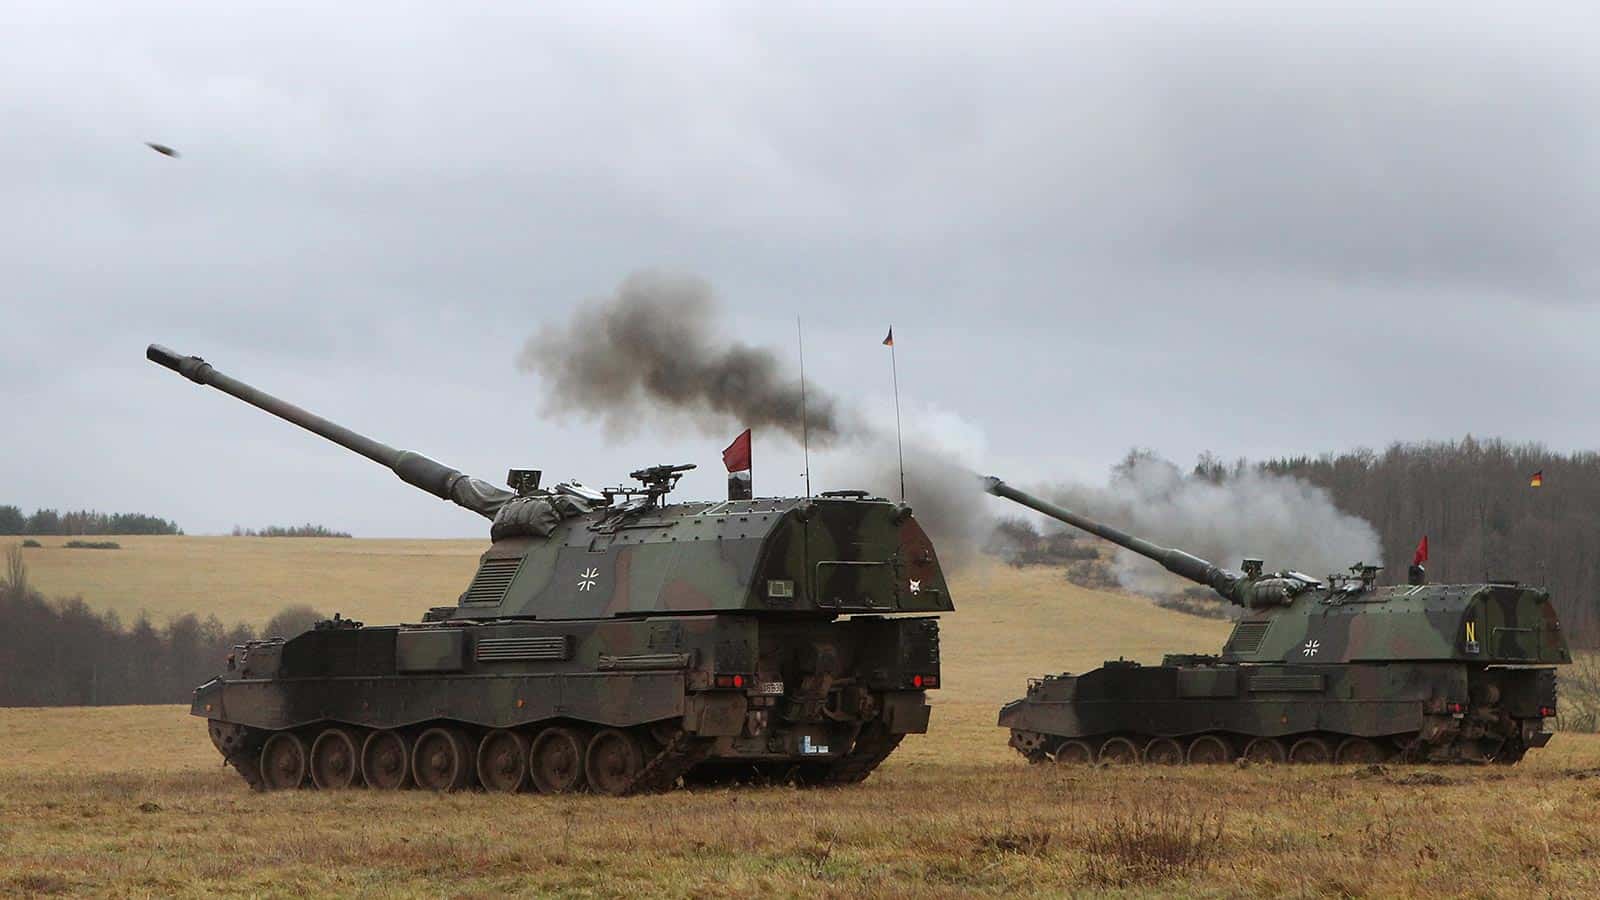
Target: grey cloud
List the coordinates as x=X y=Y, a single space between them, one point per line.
x=1244 y=229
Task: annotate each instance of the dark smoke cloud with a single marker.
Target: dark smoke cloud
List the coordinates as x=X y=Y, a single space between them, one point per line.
x=653 y=348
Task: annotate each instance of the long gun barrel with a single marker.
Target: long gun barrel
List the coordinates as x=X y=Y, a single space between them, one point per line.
x=414 y=469
x=1229 y=584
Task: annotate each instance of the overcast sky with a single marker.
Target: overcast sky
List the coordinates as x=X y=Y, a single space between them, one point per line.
x=1182 y=226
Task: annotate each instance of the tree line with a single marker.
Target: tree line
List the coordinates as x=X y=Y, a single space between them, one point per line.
x=306 y=530
x=62 y=653
x=52 y=522
x=1473 y=500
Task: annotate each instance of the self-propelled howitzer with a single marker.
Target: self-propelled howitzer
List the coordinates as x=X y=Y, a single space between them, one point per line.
x=610 y=640
x=1341 y=669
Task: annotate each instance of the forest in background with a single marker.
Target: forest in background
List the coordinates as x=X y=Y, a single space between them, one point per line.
x=79 y=522
x=62 y=653
x=1472 y=499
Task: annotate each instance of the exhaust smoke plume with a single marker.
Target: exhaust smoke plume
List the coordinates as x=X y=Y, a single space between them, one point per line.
x=1288 y=522
x=652 y=348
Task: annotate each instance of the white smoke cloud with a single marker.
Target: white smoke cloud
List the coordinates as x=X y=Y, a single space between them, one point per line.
x=942 y=453
x=1286 y=521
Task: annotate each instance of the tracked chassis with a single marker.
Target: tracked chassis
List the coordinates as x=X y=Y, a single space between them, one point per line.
x=1202 y=710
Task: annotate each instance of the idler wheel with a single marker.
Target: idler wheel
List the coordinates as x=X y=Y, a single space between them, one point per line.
x=1210 y=750
x=614 y=761
x=555 y=761
x=335 y=763
x=1074 y=753
x=1265 y=750
x=441 y=761
x=1163 y=751
x=1310 y=751
x=1358 y=751
x=1119 y=751
x=283 y=761
x=386 y=760
x=503 y=761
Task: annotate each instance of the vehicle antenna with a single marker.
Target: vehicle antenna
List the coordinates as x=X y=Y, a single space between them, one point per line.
x=805 y=431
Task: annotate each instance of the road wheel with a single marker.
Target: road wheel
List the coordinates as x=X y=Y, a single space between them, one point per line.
x=1074 y=753
x=1265 y=750
x=613 y=761
x=1358 y=751
x=283 y=761
x=1209 y=750
x=503 y=761
x=1119 y=751
x=386 y=760
x=555 y=761
x=335 y=764
x=1312 y=751
x=1163 y=751
x=440 y=761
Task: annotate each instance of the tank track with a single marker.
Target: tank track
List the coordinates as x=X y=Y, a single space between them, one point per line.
x=249 y=768
x=870 y=748
x=1324 y=748
x=682 y=753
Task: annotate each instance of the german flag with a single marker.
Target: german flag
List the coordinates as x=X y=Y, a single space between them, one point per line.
x=1536 y=479
x=888 y=340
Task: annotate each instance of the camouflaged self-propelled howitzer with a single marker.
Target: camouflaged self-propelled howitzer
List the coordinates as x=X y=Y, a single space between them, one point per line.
x=609 y=640
x=1342 y=670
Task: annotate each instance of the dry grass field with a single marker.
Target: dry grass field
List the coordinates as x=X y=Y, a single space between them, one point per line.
x=131 y=801
x=244 y=579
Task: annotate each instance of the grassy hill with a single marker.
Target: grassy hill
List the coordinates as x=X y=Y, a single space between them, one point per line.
x=245 y=579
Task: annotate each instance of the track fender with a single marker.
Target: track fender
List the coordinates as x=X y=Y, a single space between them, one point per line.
x=906 y=712
x=715 y=714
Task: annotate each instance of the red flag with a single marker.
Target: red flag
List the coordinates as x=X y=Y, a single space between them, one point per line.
x=1421 y=556
x=737 y=456
x=888 y=340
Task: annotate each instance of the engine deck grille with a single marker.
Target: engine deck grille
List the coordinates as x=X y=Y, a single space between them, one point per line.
x=556 y=648
x=492 y=581
x=1263 y=683
x=1247 y=637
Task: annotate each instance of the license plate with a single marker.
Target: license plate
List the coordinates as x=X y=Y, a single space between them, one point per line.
x=774 y=688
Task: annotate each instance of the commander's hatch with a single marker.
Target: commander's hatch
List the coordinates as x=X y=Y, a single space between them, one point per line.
x=851 y=555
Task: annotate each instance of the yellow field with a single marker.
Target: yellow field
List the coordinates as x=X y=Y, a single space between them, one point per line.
x=249 y=579
x=132 y=801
